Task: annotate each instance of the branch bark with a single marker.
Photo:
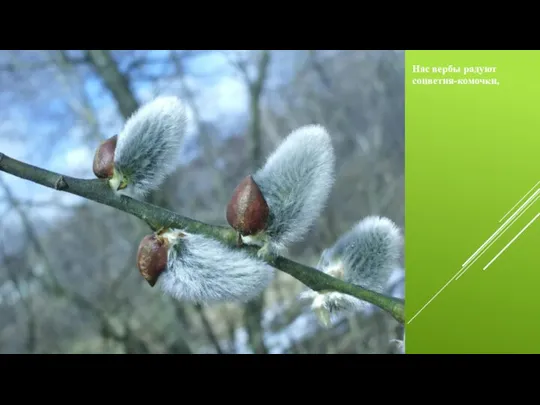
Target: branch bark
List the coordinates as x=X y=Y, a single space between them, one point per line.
x=156 y=217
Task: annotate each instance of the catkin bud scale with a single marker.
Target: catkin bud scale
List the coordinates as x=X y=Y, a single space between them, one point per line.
x=103 y=165
x=247 y=211
x=152 y=257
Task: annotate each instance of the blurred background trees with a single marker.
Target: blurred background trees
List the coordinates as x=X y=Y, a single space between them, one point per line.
x=68 y=277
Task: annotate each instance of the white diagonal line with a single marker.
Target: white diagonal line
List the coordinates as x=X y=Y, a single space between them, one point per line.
x=516 y=204
x=432 y=298
x=512 y=241
x=497 y=232
x=492 y=239
x=464 y=269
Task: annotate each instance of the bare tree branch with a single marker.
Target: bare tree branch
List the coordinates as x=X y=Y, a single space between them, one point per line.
x=106 y=67
x=156 y=217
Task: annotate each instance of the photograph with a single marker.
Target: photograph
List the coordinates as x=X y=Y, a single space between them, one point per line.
x=203 y=202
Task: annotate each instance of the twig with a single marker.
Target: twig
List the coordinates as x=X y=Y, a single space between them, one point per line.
x=156 y=217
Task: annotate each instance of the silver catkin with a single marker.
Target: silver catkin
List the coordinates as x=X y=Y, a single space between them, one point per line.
x=149 y=144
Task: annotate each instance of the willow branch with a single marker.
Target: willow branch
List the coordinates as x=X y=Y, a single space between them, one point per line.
x=157 y=217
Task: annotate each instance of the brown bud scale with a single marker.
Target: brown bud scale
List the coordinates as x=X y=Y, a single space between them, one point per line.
x=104 y=158
x=152 y=257
x=247 y=211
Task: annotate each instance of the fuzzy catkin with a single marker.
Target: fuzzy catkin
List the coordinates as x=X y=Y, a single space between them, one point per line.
x=149 y=143
x=365 y=255
x=204 y=270
x=369 y=252
x=296 y=181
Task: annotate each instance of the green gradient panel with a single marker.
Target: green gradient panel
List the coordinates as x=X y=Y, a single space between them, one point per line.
x=472 y=152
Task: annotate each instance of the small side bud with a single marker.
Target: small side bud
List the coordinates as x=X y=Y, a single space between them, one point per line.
x=324 y=304
x=336 y=271
x=321 y=312
x=152 y=257
x=103 y=166
x=247 y=211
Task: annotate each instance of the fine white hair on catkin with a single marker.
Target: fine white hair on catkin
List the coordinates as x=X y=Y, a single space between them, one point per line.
x=296 y=181
x=370 y=251
x=204 y=270
x=149 y=144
